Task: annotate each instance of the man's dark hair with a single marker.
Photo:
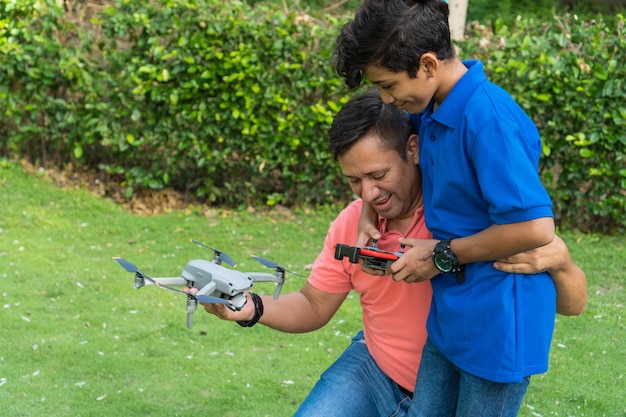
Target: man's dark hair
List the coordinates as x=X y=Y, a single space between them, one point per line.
x=366 y=114
x=393 y=34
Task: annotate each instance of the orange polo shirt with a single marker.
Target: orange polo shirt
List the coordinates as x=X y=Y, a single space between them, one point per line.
x=394 y=313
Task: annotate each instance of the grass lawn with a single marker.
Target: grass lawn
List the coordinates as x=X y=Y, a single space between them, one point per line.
x=77 y=339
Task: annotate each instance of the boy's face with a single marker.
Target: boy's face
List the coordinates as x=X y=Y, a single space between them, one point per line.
x=397 y=88
x=382 y=178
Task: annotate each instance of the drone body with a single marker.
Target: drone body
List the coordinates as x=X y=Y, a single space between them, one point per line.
x=216 y=284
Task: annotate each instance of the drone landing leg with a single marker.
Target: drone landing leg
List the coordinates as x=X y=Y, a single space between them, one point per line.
x=192 y=305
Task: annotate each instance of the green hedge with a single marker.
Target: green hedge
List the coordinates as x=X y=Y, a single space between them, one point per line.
x=570 y=76
x=224 y=102
x=230 y=103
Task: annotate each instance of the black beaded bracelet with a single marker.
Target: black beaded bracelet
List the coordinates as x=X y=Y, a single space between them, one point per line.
x=258 y=311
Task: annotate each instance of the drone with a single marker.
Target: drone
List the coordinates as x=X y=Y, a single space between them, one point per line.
x=216 y=283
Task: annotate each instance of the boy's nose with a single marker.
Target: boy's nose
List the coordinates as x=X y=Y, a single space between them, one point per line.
x=386 y=97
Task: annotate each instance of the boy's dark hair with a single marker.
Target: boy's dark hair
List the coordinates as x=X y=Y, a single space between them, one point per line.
x=366 y=114
x=392 y=34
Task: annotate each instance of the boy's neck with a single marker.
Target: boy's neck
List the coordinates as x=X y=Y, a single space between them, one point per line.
x=450 y=72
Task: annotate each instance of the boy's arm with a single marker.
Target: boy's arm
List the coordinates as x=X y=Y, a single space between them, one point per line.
x=495 y=242
x=502 y=240
x=367 y=226
x=570 y=281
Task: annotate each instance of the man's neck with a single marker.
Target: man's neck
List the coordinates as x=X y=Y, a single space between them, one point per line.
x=403 y=222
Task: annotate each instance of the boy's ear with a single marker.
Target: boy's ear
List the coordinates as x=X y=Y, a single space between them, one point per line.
x=429 y=63
x=412 y=149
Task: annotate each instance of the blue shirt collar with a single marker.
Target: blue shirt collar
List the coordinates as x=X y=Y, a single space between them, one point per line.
x=450 y=111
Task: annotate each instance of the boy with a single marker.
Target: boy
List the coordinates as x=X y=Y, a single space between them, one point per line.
x=488 y=331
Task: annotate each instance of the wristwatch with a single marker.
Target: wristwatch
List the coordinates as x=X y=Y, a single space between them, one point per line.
x=446 y=261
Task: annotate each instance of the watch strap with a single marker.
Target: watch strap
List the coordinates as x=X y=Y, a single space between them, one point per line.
x=258 y=312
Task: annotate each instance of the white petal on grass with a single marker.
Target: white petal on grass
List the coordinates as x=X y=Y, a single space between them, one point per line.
x=288 y=382
x=37 y=372
x=561 y=345
x=3 y=381
x=25 y=318
x=79 y=284
x=102 y=397
x=80 y=384
x=83 y=342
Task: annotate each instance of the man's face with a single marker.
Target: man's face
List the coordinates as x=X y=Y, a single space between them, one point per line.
x=382 y=178
x=397 y=88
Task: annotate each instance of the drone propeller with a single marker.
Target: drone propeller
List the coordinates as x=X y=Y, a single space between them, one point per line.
x=133 y=268
x=219 y=254
x=209 y=299
x=205 y=299
x=272 y=264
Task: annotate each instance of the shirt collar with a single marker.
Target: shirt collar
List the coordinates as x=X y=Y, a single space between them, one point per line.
x=382 y=221
x=450 y=110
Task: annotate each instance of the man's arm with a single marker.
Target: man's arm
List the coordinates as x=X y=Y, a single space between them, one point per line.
x=296 y=312
x=569 y=280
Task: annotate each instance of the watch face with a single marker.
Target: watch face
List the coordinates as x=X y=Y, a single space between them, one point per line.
x=442 y=262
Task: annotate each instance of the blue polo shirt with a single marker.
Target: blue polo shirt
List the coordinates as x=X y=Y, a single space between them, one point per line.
x=479 y=155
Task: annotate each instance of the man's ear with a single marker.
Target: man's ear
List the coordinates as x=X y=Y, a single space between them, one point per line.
x=412 y=149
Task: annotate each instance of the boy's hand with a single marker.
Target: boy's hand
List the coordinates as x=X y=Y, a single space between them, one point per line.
x=416 y=264
x=367 y=233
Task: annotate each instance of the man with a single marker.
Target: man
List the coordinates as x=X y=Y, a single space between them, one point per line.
x=376 y=148
x=488 y=331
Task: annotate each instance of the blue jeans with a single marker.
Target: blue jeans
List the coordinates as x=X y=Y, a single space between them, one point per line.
x=354 y=386
x=443 y=390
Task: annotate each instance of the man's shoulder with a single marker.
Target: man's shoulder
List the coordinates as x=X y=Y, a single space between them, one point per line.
x=347 y=221
x=354 y=207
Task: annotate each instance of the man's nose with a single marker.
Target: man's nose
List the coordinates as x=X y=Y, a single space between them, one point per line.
x=369 y=191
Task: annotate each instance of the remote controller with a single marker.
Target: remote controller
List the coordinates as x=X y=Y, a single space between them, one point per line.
x=374 y=257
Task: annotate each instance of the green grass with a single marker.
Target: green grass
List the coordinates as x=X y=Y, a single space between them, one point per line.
x=77 y=340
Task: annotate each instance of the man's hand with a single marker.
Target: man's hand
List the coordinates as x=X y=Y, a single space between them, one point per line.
x=569 y=280
x=551 y=258
x=224 y=313
x=416 y=264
